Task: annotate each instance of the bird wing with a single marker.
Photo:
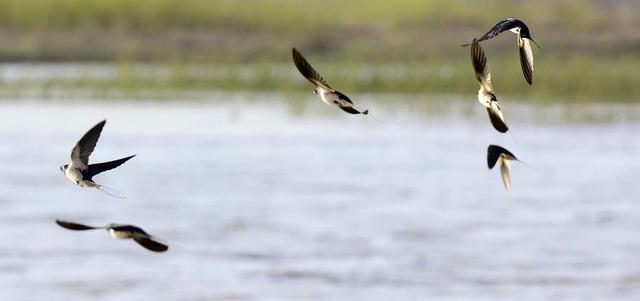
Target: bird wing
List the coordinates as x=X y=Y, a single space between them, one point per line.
x=494 y=152
x=307 y=71
x=526 y=58
x=84 y=147
x=73 y=226
x=479 y=62
x=150 y=244
x=95 y=169
x=500 y=27
x=505 y=171
x=497 y=120
x=349 y=109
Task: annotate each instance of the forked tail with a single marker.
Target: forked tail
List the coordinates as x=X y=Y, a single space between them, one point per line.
x=376 y=118
x=514 y=137
x=536 y=43
x=107 y=190
x=528 y=165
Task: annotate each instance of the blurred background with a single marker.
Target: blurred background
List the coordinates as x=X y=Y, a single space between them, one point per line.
x=117 y=46
x=263 y=192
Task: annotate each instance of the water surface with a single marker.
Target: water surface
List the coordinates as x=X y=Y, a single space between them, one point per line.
x=261 y=202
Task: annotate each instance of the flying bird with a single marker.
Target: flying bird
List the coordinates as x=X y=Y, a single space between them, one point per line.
x=122 y=232
x=523 y=39
x=500 y=155
x=79 y=170
x=486 y=96
x=329 y=95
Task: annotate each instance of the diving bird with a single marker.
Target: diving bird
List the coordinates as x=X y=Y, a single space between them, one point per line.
x=523 y=39
x=329 y=95
x=486 y=96
x=79 y=170
x=122 y=232
x=500 y=155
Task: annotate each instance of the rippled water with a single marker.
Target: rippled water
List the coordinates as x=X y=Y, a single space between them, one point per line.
x=259 y=202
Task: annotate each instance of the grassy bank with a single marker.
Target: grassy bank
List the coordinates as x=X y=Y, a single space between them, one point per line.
x=555 y=80
x=361 y=46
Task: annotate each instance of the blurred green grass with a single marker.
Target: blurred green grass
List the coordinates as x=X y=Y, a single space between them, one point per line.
x=360 y=46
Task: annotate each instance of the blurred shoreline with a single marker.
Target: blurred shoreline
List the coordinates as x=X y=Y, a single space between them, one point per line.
x=169 y=80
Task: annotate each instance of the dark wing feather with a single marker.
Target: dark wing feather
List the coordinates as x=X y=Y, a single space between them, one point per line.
x=349 y=110
x=307 y=71
x=151 y=244
x=73 y=226
x=526 y=60
x=501 y=27
x=480 y=66
x=494 y=152
x=497 y=122
x=343 y=97
x=95 y=169
x=87 y=143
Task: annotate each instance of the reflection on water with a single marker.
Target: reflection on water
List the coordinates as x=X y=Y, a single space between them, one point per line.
x=258 y=203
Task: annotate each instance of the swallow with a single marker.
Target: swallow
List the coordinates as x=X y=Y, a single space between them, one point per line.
x=79 y=170
x=486 y=96
x=329 y=95
x=523 y=40
x=121 y=232
x=500 y=155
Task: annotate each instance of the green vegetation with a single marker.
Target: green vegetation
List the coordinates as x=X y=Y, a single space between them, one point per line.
x=360 y=45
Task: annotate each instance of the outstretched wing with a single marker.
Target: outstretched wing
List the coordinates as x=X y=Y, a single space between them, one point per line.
x=73 y=226
x=307 y=71
x=505 y=171
x=526 y=58
x=349 y=109
x=494 y=152
x=95 y=169
x=500 y=27
x=496 y=117
x=479 y=61
x=84 y=147
x=150 y=244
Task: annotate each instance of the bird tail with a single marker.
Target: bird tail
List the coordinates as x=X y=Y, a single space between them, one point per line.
x=528 y=165
x=534 y=42
x=110 y=191
x=380 y=121
x=514 y=137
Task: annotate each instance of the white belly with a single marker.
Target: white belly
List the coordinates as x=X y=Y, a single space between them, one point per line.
x=73 y=175
x=119 y=234
x=484 y=98
x=328 y=97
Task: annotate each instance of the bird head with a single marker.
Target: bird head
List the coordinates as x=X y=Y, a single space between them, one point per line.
x=64 y=167
x=315 y=91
